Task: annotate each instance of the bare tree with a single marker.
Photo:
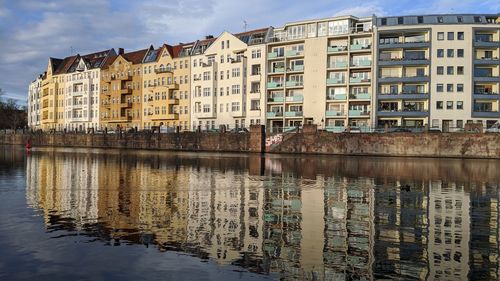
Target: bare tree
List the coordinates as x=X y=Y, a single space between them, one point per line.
x=12 y=116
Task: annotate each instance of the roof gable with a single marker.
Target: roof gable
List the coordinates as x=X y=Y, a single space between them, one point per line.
x=235 y=43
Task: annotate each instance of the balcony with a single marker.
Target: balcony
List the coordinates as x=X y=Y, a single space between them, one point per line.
x=274 y=55
x=486 y=114
x=125 y=76
x=360 y=96
x=334 y=113
x=338 y=65
x=126 y=91
x=359 y=80
x=292 y=84
x=362 y=63
x=294 y=53
x=336 y=49
x=277 y=70
x=398 y=45
x=274 y=85
x=335 y=129
x=486 y=44
x=337 y=97
x=487 y=61
x=403 y=61
x=296 y=68
x=275 y=99
x=358 y=113
x=486 y=96
x=296 y=98
x=359 y=47
x=404 y=79
x=403 y=96
x=403 y=113
x=274 y=114
x=487 y=79
x=293 y=114
x=79 y=93
x=335 y=81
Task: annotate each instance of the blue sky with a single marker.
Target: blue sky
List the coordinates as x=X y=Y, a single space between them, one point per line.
x=33 y=30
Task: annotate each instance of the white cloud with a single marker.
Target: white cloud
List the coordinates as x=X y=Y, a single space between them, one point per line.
x=362 y=11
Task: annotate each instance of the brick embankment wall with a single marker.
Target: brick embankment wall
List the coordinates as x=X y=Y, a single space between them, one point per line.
x=454 y=145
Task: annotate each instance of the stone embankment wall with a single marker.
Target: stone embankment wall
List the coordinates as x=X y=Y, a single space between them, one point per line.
x=308 y=141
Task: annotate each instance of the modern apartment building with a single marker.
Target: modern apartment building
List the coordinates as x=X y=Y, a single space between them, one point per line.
x=121 y=90
x=227 y=80
x=440 y=70
x=320 y=72
x=82 y=82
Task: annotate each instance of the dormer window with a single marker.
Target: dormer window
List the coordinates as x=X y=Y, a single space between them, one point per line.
x=440 y=19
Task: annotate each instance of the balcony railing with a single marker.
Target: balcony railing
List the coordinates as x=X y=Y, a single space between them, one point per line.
x=360 y=96
x=274 y=114
x=335 y=81
x=402 y=95
x=163 y=70
x=337 y=97
x=336 y=49
x=360 y=47
x=274 y=85
x=403 y=112
x=334 y=113
x=296 y=98
x=338 y=64
x=361 y=63
x=294 y=83
x=357 y=112
x=293 y=113
x=274 y=55
x=293 y=53
x=412 y=44
x=275 y=99
x=358 y=80
x=277 y=70
x=296 y=68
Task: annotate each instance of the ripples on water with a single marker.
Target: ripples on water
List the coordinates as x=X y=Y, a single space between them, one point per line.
x=285 y=217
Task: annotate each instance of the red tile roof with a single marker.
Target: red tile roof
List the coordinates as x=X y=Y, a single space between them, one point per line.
x=135 y=57
x=65 y=65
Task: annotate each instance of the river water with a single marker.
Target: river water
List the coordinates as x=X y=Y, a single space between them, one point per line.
x=90 y=214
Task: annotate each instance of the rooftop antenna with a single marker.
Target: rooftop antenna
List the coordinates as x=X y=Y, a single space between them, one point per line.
x=245 y=25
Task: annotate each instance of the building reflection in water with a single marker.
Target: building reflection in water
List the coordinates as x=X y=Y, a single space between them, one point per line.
x=330 y=218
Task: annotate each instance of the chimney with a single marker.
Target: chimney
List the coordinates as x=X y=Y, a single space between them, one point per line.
x=209 y=37
x=121 y=51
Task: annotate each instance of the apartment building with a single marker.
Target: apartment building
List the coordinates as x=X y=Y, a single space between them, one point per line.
x=121 y=90
x=227 y=80
x=319 y=72
x=82 y=82
x=34 y=105
x=166 y=79
x=440 y=70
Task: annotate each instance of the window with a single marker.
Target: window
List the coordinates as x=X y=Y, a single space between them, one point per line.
x=450 y=70
x=449 y=87
x=227 y=44
x=400 y=20
x=222 y=58
x=477 y=19
x=256 y=54
x=235 y=89
x=255 y=105
x=222 y=45
x=451 y=35
x=460 y=70
x=440 y=53
x=236 y=72
x=256 y=69
x=460 y=53
x=439 y=105
x=439 y=88
x=440 y=70
x=449 y=105
x=383 y=21
x=206 y=92
x=440 y=19
x=450 y=53
x=235 y=106
x=420 y=19
x=460 y=105
x=460 y=36
x=460 y=88
x=206 y=108
x=440 y=35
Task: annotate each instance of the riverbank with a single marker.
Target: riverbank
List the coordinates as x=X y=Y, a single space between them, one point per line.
x=307 y=141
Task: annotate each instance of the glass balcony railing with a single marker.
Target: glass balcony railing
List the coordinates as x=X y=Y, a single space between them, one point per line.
x=294 y=83
x=277 y=70
x=359 y=80
x=273 y=114
x=273 y=85
x=293 y=113
x=336 y=49
x=358 y=112
x=338 y=64
x=297 y=68
x=333 y=81
x=292 y=53
x=359 y=47
x=334 y=113
x=360 y=96
x=337 y=97
x=275 y=99
x=361 y=63
x=274 y=55
x=296 y=98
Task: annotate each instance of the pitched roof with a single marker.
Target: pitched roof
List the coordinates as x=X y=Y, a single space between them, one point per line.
x=135 y=57
x=65 y=65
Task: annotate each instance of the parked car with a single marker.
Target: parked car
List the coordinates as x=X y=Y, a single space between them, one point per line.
x=400 y=130
x=434 y=130
x=353 y=130
x=494 y=129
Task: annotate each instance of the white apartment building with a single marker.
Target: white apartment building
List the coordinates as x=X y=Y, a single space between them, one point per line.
x=227 y=80
x=82 y=91
x=34 y=103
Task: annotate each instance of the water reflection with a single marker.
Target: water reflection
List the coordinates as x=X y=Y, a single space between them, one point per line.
x=300 y=217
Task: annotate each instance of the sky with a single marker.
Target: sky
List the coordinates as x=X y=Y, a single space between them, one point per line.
x=31 y=31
